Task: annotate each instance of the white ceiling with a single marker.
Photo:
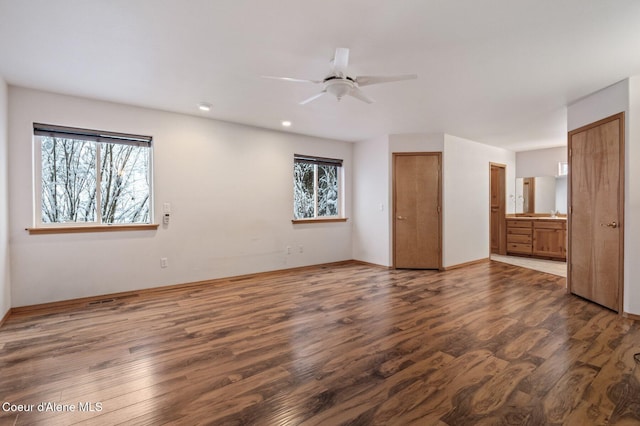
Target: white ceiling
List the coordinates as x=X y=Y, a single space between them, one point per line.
x=499 y=72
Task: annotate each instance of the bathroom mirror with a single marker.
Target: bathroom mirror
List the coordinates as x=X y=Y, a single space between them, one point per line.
x=540 y=195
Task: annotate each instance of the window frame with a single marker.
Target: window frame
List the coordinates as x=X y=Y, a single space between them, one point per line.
x=318 y=161
x=99 y=138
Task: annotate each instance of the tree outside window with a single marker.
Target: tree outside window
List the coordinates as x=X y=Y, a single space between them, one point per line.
x=316 y=186
x=86 y=179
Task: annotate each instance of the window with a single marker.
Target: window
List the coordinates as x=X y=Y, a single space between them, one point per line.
x=87 y=177
x=316 y=187
x=563 y=168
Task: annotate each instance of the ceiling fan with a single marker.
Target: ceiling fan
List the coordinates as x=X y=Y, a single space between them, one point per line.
x=338 y=83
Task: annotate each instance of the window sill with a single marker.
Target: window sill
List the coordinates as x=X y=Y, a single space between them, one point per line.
x=99 y=228
x=320 y=220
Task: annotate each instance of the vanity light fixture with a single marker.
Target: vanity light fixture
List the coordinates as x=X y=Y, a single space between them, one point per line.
x=286 y=123
x=203 y=106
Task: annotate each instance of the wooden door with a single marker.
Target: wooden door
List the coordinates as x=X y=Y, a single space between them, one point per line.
x=417 y=213
x=498 y=209
x=596 y=200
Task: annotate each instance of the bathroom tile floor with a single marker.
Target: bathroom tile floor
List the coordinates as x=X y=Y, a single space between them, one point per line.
x=549 y=266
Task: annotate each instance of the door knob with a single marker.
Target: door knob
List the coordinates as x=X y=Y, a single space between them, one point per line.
x=610 y=225
x=401 y=218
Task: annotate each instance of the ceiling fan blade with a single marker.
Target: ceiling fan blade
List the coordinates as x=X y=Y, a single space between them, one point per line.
x=313 y=98
x=359 y=94
x=295 y=80
x=341 y=60
x=367 y=80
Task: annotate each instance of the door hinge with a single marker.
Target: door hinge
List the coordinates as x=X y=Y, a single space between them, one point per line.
x=439 y=209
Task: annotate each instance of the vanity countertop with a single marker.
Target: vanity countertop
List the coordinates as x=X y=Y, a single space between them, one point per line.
x=536 y=218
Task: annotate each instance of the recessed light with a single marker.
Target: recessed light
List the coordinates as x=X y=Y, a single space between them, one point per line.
x=203 y=106
x=286 y=123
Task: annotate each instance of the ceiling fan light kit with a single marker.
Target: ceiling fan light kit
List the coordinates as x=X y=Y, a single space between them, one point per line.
x=339 y=84
x=338 y=87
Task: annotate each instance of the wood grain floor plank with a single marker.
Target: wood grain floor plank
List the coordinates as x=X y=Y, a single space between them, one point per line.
x=352 y=344
x=567 y=393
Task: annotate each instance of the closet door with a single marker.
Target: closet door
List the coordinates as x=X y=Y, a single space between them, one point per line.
x=417 y=213
x=596 y=199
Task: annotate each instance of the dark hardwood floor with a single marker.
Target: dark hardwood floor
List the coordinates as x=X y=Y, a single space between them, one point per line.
x=488 y=344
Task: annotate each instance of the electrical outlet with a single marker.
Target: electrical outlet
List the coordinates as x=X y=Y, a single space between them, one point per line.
x=300 y=249
x=288 y=249
x=164 y=262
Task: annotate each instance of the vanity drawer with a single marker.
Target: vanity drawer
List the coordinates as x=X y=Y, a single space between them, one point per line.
x=513 y=223
x=519 y=238
x=549 y=224
x=519 y=248
x=518 y=231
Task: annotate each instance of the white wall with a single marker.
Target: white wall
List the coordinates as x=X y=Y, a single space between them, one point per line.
x=466 y=197
x=601 y=104
x=230 y=188
x=632 y=201
x=418 y=142
x=5 y=282
x=540 y=162
x=371 y=202
x=622 y=96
